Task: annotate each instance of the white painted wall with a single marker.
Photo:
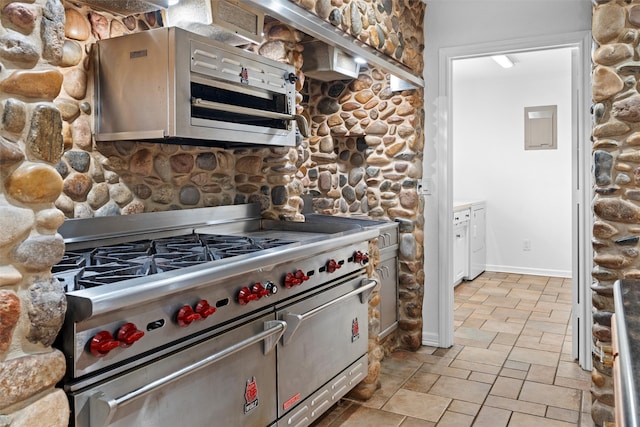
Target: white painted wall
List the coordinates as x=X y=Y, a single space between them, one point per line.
x=458 y=23
x=528 y=192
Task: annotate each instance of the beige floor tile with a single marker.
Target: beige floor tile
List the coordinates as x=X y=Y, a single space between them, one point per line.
x=421 y=381
x=475 y=366
x=416 y=422
x=463 y=407
x=482 y=377
x=505 y=338
x=400 y=367
x=551 y=395
x=524 y=294
x=521 y=366
x=563 y=414
x=474 y=334
x=513 y=373
x=506 y=387
x=538 y=325
x=515 y=405
x=500 y=301
x=367 y=417
x=496 y=326
x=539 y=357
x=431 y=407
x=492 y=417
x=390 y=384
x=454 y=419
x=541 y=374
x=525 y=420
x=456 y=388
x=489 y=357
x=446 y=370
x=533 y=342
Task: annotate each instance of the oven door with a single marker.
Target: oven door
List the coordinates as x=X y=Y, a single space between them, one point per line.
x=326 y=333
x=227 y=380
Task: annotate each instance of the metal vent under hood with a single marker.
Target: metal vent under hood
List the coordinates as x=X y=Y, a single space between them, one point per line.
x=127 y=7
x=228 y=21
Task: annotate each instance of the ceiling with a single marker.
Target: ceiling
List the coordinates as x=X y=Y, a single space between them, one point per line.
x=534 y=63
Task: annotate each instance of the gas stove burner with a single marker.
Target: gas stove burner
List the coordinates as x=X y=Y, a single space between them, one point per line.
x=110 y=264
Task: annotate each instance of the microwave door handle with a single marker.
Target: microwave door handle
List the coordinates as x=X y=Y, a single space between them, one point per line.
x=102 y=409
x=295 y=320
x=301 y=121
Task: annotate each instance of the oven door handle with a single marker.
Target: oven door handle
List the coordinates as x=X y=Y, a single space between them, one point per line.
x=300 y=120
x=295 y=320
x=102 y=409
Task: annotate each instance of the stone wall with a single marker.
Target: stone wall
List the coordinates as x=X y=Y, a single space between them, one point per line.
x=616 y=142
x=365 y=158
x=33 y=54
x=51 y=168
x=393 y=27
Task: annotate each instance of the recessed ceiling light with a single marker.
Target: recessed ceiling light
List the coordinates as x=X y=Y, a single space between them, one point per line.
x=503 y=60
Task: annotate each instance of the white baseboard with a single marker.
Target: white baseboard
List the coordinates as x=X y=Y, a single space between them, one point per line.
x=531 y=271
x=430 y=339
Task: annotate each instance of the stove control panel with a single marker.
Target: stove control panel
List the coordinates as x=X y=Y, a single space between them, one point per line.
x=104 y=342
x=256 y=292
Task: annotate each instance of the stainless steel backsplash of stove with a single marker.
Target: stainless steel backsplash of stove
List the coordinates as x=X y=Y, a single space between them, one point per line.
x=212 y=317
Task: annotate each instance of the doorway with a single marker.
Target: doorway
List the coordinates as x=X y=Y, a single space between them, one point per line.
x=581 y=255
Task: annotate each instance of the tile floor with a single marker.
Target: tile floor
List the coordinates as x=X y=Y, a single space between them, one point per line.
x=511 y=365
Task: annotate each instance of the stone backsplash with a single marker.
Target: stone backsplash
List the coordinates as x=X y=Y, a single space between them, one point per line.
x=393 y=27
x=364 y=158
x=616 y=138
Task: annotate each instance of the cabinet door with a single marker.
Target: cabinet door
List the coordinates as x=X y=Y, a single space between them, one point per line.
x=478 y=230
x=460 y=253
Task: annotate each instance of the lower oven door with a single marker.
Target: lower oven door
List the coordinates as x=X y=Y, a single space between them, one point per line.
x=326 y=333
x=227 y=380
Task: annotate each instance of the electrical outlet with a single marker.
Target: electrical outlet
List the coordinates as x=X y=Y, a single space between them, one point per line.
x=526 y=245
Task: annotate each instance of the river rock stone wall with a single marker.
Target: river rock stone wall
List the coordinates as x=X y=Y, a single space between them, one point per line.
x=393 y=27
x=365 y=158
x=34 y=54
x=52 y=169
x=616 y=154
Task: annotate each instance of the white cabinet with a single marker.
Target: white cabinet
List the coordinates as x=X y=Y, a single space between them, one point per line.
x=477 y=240
x=460 y=245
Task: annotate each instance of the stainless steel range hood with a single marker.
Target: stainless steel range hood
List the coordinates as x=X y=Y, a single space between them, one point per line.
x=291 y=14
x=127 y=7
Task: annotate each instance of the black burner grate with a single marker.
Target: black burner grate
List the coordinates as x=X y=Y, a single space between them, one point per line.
x=110 y=264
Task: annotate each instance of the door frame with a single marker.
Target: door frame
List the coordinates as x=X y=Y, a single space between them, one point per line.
x=582 y=253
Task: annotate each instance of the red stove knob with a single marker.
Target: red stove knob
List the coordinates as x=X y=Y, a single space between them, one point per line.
x=245 y=296
x=332 y=266
x=102 y=343
x=128 y=334
x=291 y=280
x=204 y=309
x=186 y=316
x=258 y=289
x=360 y=257
x=300 y=275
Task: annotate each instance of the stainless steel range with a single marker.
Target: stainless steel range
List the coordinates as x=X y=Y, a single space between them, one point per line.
x=212 y=317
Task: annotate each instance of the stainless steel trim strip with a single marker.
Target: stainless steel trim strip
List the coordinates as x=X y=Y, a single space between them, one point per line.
x=102 y=409
x=218 y=106
x=291 y=14
x=295 y=320
x=629 y=396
